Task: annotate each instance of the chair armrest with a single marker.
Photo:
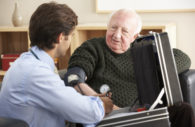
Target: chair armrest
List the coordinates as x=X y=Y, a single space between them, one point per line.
x=187 y=82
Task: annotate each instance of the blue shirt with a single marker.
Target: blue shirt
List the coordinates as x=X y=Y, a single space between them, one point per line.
x=33 y=92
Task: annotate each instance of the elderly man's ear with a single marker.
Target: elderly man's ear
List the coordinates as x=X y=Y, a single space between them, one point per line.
x=135 y=36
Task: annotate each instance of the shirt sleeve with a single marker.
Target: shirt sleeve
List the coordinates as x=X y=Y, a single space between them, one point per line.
x=49 y=92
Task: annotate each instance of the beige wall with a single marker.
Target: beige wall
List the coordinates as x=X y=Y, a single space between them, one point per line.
x=85 y=9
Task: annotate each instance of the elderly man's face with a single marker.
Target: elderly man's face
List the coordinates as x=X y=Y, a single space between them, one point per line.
x=120 y=32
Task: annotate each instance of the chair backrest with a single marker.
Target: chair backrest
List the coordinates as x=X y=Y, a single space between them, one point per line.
x=10 y=122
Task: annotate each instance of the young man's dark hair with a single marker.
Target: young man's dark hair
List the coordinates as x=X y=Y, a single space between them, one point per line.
x=45 y=26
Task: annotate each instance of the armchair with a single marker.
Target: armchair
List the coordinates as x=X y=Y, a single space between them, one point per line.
x=187 y=82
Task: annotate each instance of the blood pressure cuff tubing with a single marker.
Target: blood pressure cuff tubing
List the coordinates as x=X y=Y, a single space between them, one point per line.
x=74 y=76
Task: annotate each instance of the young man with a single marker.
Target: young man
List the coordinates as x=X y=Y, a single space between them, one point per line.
x=108 y=61
x=32 y=90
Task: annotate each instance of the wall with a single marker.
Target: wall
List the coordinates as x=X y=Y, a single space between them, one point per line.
x=85 y=9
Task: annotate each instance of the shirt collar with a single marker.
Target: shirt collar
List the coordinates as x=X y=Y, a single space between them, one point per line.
x=43 y=56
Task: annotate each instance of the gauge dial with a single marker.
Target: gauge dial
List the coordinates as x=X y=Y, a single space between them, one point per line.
x=104 y=88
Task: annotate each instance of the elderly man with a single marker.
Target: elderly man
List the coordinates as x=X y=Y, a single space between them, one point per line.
x=100 y=63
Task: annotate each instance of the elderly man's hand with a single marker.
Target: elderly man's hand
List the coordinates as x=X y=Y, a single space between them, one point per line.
x=108 y=105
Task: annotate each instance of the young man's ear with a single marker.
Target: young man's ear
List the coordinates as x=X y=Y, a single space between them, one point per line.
x=59 y=38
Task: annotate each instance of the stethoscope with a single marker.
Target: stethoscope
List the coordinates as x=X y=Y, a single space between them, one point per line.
x=33 y=53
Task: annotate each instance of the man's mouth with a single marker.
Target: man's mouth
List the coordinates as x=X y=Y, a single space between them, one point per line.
x=115 y=41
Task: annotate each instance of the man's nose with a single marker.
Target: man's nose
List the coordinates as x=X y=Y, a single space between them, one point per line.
x=117 y=33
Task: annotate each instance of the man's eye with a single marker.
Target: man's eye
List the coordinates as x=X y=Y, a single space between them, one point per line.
x=125 y=31
x=113 y=27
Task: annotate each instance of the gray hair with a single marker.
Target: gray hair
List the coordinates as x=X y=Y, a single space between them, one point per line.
x=139 y=20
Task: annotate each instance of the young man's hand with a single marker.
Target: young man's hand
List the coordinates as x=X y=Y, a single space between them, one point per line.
x=108 y=105
x=108 y=94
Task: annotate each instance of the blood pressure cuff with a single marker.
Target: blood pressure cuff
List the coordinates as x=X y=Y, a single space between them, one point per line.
x=74 y=76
